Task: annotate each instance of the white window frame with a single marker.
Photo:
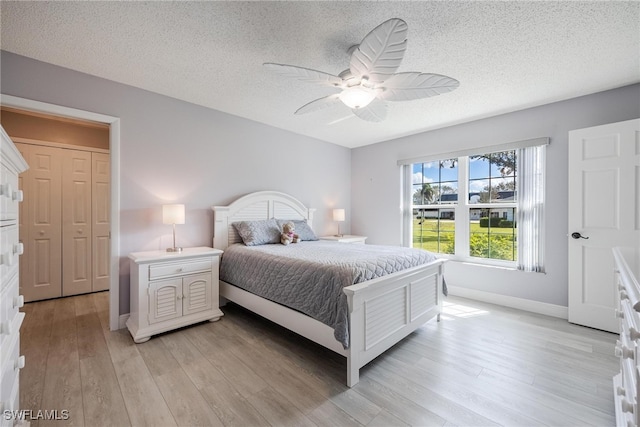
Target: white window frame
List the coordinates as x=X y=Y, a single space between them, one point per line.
x=462 y=208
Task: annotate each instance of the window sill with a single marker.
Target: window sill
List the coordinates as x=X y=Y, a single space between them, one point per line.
x=503 y=265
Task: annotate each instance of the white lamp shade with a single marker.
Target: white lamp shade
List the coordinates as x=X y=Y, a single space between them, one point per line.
x=173 y=214
x=338 y=215
x=356 y=97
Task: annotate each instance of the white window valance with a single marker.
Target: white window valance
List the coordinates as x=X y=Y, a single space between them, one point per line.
x=476 y=151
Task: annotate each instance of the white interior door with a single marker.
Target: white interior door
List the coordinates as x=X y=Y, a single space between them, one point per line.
x=40 y=232
x=101 y=197
x=76 y=222
x=604 y=212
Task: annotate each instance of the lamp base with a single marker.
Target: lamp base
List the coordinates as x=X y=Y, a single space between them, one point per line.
x=174 y=249
x=338 y=235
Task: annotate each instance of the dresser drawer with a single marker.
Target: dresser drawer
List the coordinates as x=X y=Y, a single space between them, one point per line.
x=10 y=250
x=11 y=365
x=10 y=301
x=179 y=268
x=10 y=196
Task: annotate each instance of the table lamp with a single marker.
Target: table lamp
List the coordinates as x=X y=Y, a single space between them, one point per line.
x=173 y=214
x=338 y=216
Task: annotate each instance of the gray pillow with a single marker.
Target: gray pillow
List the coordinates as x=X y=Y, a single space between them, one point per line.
x=302 y=229
x=254 y=233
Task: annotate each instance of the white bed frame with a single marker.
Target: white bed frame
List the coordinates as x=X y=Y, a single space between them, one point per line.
x=382 y=311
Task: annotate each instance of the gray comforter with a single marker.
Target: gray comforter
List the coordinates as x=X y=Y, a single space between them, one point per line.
x=309 y=276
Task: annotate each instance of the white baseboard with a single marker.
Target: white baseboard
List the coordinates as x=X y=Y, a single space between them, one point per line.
x=122 y=321
x=513 y=302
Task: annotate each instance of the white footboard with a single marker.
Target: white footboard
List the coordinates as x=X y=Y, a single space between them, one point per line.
x=385 y=310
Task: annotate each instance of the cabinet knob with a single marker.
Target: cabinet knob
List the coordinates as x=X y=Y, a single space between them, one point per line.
x=19 y=363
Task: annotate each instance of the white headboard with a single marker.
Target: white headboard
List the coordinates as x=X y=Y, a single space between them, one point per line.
x=252 y=207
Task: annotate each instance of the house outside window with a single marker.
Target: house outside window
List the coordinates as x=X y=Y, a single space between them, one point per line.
x=489 y=211
x=485 y=207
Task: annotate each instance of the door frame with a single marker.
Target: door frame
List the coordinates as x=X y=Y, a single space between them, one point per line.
x=114 y=154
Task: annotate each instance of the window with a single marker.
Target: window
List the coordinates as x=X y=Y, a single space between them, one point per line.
x=485 y=207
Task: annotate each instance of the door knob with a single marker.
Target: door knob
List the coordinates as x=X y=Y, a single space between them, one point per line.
x=577 y=235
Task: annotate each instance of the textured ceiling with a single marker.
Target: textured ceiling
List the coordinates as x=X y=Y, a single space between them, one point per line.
x=506 y=55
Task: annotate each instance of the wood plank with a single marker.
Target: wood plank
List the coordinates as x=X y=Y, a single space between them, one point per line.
x=62 y=382
x=144 y=402
x=102 y=399
x=186 y=403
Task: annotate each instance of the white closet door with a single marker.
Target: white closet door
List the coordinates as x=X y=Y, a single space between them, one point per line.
x=42 y=182
x=76 y=222
x=101 y=196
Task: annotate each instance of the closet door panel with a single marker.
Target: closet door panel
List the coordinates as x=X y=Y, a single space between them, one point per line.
x=101 y=196
x=76 y=222
x=43 y=254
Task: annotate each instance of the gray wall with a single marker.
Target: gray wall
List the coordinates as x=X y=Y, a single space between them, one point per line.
x=375 y=184
x=173 y=151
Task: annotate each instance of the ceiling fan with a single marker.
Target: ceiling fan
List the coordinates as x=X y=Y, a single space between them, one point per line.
x=371 y=80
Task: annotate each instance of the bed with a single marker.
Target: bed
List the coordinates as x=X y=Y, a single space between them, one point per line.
x=380 y=311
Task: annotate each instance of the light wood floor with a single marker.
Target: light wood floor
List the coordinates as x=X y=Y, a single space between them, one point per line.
x=481 y=365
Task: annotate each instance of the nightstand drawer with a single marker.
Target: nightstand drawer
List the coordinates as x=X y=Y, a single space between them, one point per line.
x=179 y=268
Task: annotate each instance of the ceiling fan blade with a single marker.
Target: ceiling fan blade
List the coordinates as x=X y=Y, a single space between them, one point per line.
x=381 y=51
x=304 y=74
x=376 y=111
x=318 y=104
x=408 y=86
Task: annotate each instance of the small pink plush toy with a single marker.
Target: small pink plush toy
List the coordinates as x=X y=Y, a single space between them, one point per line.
x=288 y=234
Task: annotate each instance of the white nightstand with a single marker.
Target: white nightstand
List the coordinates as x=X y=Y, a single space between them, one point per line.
x=345 y=238
x=170 y=290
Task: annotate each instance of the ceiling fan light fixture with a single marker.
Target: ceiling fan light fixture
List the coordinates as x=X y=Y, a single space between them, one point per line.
x=356 y=97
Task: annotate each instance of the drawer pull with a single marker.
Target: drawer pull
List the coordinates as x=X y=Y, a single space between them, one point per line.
x=180 y=270
x=7 y=258
x=633 y=334
x=620 y=391
x=5 y=190
x=18 y=248
x=627 y=406
x=18 y=302
x=622 y=351
x=5 y=328
x=623 y=295
x=619 y=314
x=19 y=364
x=17 y=196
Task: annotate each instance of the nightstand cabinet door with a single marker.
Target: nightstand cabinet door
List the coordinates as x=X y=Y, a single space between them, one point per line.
x=165 y=300
x=196 y=291
x=171 y=290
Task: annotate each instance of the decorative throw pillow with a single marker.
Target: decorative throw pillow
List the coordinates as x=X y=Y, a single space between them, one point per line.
x=254 y=233
x=303 y=230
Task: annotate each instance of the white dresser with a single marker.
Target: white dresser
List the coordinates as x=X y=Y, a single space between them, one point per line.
x=626 y=384
x=11 y=164
x=170 y=290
